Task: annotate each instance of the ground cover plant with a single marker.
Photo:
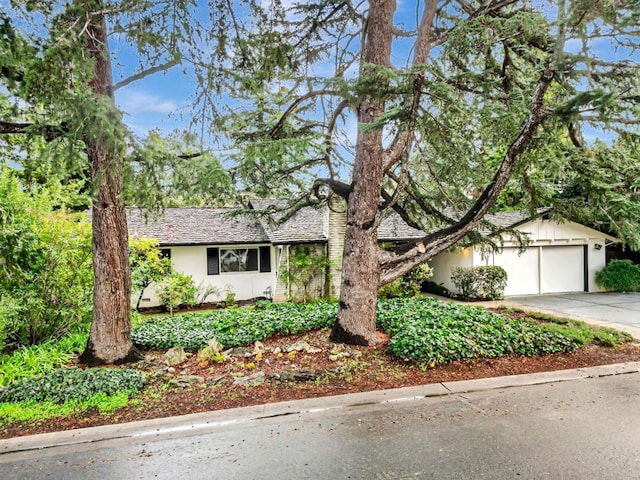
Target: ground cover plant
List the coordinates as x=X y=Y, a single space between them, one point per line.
x=421 y=329
x=232 y=327
x=428 y=341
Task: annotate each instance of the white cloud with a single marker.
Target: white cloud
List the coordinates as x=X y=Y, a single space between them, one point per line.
x=135 y=101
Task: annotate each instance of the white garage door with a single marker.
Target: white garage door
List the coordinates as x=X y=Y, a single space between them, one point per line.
x=543 y=269
x=522 y=270
x=562 y=269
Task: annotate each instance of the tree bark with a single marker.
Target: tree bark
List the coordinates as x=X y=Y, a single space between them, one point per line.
x=110 y=337
x=356 y=322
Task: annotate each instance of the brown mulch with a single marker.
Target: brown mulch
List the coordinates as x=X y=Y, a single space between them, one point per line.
x=373 y=369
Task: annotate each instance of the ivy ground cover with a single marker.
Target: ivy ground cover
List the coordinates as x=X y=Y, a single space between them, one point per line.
x=421 y=329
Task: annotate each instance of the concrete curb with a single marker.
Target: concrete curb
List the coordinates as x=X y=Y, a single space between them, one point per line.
x=207 y=421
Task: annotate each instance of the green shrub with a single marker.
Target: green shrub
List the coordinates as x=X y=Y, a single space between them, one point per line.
x=46 y=280
x=233 y=327
x=407 y=286
x=619 y=276
x=485 y=282
x=177 y=289
x=435 y=332
x=67 y=384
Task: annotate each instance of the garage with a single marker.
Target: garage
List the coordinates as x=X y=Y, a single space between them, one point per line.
x=543 y=269
x=561 y=257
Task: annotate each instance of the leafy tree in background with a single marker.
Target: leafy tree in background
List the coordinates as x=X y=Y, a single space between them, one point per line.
x=449 y=108
x=58 y=90
x=148 y=266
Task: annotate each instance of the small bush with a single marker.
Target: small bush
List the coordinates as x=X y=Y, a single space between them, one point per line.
x=39 y=359
x=407 y=286
x=619 y=276
x=483 y=283
x=68 y=384
x=435 y=332
x=177 y=289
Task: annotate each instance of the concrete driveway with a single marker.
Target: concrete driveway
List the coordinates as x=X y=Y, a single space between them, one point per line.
x=619 y=309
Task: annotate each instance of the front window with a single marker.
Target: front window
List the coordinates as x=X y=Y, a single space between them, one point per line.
x=239 y=260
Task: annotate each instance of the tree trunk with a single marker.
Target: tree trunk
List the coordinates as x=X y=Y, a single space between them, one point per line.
x=356 y=323
x=110 y=337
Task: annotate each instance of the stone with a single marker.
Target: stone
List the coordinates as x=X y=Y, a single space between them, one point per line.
x=302 y=346
x=175 y=356
x=301 y=375
x=221 y=380
x=258 y=348
x=250 y=380
x=238 y=352
x=215 y=346
x=185 y=381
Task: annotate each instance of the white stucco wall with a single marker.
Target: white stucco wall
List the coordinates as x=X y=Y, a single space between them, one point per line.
x=444 y=263
x=192 y=260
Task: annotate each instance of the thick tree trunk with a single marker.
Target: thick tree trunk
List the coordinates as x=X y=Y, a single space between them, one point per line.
x=356 y=323
x=110 y=337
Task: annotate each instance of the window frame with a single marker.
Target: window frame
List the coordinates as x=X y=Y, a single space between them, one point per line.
x=262 y=260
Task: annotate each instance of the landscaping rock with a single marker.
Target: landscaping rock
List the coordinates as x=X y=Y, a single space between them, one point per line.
x=258 y=348
x=175 y=356
x=215 y=345
x=255 y=379
x=302 y=346
x=185 y=381
x=238 y=352
x=301 y=375
x=221 y=380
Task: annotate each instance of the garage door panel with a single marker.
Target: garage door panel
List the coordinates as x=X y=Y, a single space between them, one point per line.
x=562 y=269
x=522 y=270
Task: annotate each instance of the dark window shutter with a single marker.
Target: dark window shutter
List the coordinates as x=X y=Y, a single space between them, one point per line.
x=252 y=260
x=213 y=263
x=265 y=259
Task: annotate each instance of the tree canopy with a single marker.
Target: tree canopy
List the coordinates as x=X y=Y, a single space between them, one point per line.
x=441 y=114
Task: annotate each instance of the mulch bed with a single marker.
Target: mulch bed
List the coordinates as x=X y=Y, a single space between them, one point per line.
x=373 y=369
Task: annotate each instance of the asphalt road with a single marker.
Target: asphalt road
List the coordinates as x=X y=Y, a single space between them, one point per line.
x=580 y=429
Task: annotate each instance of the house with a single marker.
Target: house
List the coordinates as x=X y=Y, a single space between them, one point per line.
x=249 y=255
x=560 y=257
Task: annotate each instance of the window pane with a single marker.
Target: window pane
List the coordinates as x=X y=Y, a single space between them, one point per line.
x=239 y=260
x=265 y=259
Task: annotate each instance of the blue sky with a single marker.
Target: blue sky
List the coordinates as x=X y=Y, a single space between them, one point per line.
x=164 y=101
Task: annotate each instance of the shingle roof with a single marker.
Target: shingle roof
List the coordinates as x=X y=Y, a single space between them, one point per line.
x=197 y=226
x=306 y=225
x=212 y=226
x=393 y=227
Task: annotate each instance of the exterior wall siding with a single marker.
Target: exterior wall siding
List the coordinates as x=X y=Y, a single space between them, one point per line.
x=192 y=260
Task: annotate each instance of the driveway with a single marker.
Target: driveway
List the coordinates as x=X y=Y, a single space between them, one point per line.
x=622 y=309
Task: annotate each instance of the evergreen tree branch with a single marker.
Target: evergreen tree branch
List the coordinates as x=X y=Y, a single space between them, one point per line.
x=277 y=129
x=49 y=132
x=410 y=255
x=338 y=187
x=145 y=73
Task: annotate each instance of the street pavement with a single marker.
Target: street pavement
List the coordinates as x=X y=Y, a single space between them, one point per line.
x=574 y=429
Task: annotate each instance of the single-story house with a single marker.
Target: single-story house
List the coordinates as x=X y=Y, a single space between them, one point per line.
x=247 y=255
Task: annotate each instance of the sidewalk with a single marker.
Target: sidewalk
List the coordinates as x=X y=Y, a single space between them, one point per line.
x=198 y=423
